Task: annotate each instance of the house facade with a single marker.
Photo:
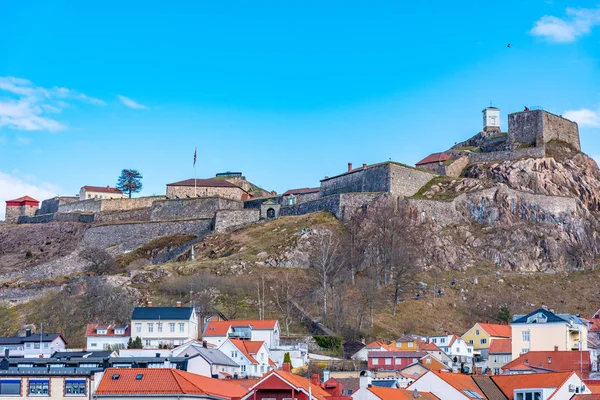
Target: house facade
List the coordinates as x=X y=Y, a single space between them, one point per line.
x=100 y=192
x=171 y=326
x=377 y=345
x=480 y=336
x=253 y=357
x=211 y=187
x=217 y=332
x=543 y=330
x=500 y=354
x=392 y=360
x=32 y=345
x=107 y=336
x=53 y=385
x=209 y=362
x=23 y=206
x=455 y=347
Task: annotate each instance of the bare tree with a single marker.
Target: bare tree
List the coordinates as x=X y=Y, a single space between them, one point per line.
x=355 y=244
x=285 y=290
x=101 y=262
x=326 y=262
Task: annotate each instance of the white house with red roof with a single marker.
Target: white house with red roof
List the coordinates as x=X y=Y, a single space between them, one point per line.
x=456 y=348
x=377 y=345
x=107 y=336
x=100 y=192
x=217 y=332
x=253 y=357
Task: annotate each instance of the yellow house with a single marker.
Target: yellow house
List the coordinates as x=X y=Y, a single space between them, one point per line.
x=100 y=192
x=480 y=336
x=405 y=343
x=543 y=330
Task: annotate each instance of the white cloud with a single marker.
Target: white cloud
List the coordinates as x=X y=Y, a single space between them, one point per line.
x=584 y=117
x=24 y=105
x=14 y=187
x=130 y=103
x=578 y=22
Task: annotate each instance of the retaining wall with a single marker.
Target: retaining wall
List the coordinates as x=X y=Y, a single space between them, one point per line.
x=50 y=206
x=531 y=152
x=341 y=205
x=95 y=205
x=173 y=209
x=230 y=219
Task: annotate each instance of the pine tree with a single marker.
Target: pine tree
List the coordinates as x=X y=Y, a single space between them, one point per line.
x=288 y=359
x=130 y=181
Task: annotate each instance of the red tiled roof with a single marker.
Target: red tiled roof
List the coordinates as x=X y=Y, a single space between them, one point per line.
x=459 y=382
x=497 y=330
x=205 y=183
x=22 y=199
x=157 y=381
x=110 y=330
x=434 y=158
x=586 y=397
x=560 y=361
x=249 y=348
x=508 y=383
x=428 y=346
x=400 y=354
x=399 y=394
x=500 y=346
x=379 y=344
x=297 y=382
x=220 y=328
x=302 y=191
x=103 y=189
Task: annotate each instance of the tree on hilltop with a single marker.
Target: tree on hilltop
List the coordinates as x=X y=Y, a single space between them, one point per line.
x=130 y=181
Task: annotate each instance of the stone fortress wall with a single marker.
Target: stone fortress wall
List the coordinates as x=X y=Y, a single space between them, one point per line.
x=538 y=127
x=174 y=209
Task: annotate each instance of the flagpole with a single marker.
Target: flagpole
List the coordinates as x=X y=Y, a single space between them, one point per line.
x=195 y=191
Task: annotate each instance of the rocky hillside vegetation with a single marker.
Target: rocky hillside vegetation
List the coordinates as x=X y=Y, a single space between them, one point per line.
x=504 y=232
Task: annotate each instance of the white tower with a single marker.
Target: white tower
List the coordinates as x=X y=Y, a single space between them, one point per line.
x=491 y=118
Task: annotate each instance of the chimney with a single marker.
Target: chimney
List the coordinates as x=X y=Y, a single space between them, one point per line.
x=349 y=166
x=365 y=379
x=555 y=348
x=27 y=332
x=179 y=303
x=326 y=375
x=315 y=379
x=364 y=166
x=149 y=303
x=286 y=367
x=6 y=353
x=326 y=177
x=545 y=307
x=205 y=344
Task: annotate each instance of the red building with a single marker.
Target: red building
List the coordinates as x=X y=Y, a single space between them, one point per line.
x=282 y=384
x=22 y=206
x=393 y=360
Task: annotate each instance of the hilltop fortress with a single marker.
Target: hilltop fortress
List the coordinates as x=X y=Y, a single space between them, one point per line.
x=228 y=201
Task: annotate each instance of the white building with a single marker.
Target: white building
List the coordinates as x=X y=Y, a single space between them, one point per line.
x=217 y=332
x=107 y=336
x=32 y=345
x=100 y=192
x=172 y=326
x=491 y=118
x=206 y=361
x=298 y=354
x=253 y=357
x=456 y=348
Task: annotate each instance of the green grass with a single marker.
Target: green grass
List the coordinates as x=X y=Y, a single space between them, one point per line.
x=145 y=251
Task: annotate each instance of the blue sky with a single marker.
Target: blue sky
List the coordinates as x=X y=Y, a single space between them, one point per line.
x=284 y=91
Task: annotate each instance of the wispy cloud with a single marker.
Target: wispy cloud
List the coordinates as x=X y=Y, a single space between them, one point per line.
x=576 y=23
x=127 y=102
x=25 y=106
x=584 y=117
x=14 y=187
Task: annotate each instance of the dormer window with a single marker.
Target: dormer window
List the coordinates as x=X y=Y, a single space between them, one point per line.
x=119 y=331
x=539 y=318
x=101 y=331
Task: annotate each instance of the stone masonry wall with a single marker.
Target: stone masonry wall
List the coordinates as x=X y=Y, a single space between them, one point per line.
x=375 y=178
x=129 y=236
x=95 y=206
x=183 y=192
x=525 y=127
x=533 y=152
x=50 y=206
x=455 y=169
x=340 y=205
x=230 y=219
x=83 y=217
x=12 y=214
x=139 y=214
x=174 y=209
x=406 y=181
x=559 y=128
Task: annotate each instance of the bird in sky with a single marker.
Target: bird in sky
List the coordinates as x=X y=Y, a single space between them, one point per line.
x=508 y=46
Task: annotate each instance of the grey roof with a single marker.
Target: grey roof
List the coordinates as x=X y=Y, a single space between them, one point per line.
x=49 y=371
x=166 y=313
x=551 y=317
x=489 y=388
x=46 y=337
x=388 y=383
x=74 y=361
x=82 y=354
x=214 y=356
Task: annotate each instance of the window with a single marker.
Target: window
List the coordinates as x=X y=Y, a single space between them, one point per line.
x=39 y=387
x=523 y=351
x=181 y=328
x=549 y=360
x=150 y=327
x=89 y=196
x=138 y=328
x=525 y=335
x=410 y=344
x=93 y=344
x=172 y=327
x=243 y=369
x=36 y=345
x=75 y=387
x=159 y=327
x=398 y=361
x=27 y=345
x=472 y=394
x=528 y=395
x=483 y=341
x=101 y=331
x=434 y=340
x=234 y=354
x=496 y=359
x=469 y=350
x=414 y=360
x=496 y=371
x=148 y=342
x=10 y=387
x=119 y=331
x=476 y=332
x=506 y=358
x=388 y=361
x=428 y=361
x=471 y=341
x=262 y=356
x=375 y=361
x=443 y=340
x=181 y=341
